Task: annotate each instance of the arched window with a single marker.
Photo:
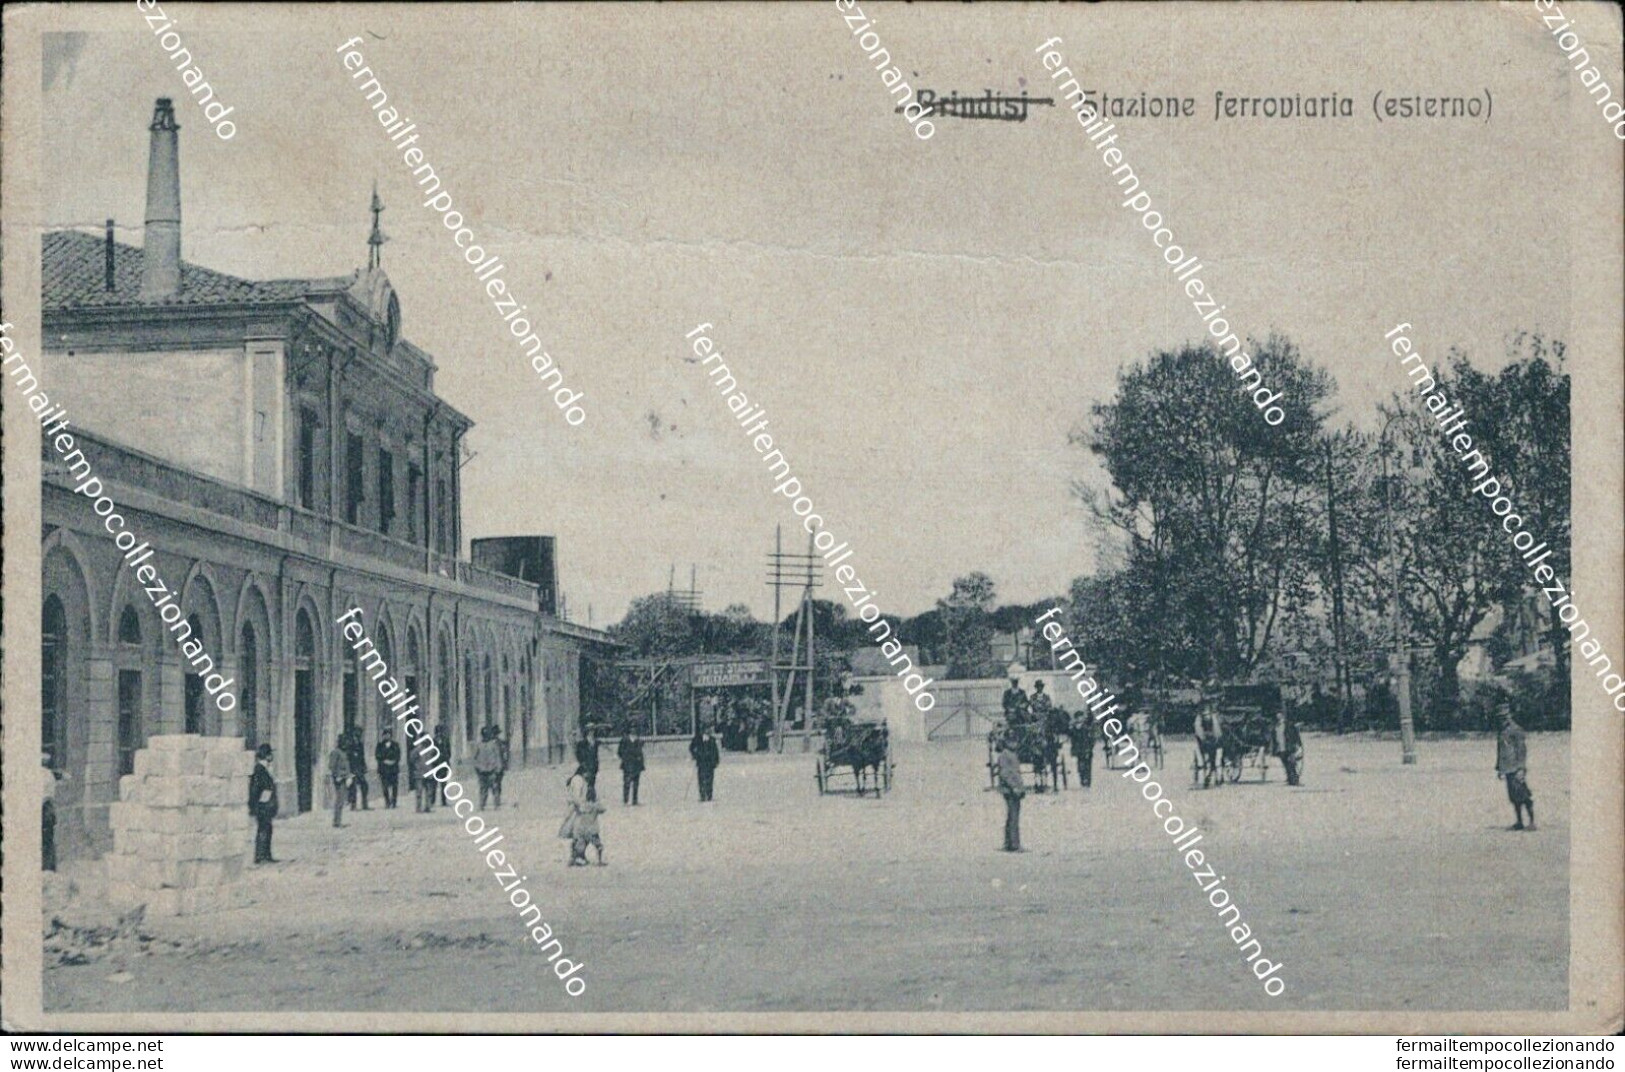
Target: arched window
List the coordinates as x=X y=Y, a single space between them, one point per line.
x=194 y=695
x=129 y=656
x=411 y=672
x=129 y=627
x=352 y=685
x=524 y=708
x=53 y=682
x=468 y=698
x=250 y=687
x=386 y=651
x=490 y=694
x=447 y=689
x=305 y=727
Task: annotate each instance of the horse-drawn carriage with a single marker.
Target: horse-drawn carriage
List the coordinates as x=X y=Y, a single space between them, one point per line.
x=857 y=750
x=1246 y=738
x=1144 y=731
x=1038 y=745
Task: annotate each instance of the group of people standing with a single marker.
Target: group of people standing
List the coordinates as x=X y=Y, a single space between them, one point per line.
x=347 y=769
x=1039 y=710
x=704 y=749
x=581 y=826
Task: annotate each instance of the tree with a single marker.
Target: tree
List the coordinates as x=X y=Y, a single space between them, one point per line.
x=968 y=622
x=733 y=632
x=1520 y=420
x=1217 y=506
x=926 y=631
x=656 y=626
x=1453 y=567
x=1109 y=624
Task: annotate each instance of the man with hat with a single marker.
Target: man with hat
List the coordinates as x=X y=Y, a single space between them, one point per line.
x=487 y=762
x=1013 y=787
x=338 y=772
x=1015 y=702
x=1082 y=733
x=1039 y=707
x=388 y=757
x=262 y=804
x=1511 y=764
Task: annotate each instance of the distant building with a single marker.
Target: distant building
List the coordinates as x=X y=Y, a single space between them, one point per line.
x=1523 y=629
x=281 y=447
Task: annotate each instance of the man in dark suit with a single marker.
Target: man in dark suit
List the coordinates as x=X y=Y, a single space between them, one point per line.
x=388 y=756
x=706 y=757
x=631 y=752
x=1082 y=733
x=262 y=804
x=355 y=751
x=442 y=741
x=1014 y=702
x=587 y=760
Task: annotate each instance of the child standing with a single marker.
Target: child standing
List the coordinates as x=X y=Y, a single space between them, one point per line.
x=581 y=822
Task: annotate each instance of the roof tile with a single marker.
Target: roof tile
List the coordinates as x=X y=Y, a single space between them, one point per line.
x=73 y=276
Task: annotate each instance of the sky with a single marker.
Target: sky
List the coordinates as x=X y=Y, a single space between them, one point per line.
x=924 y=321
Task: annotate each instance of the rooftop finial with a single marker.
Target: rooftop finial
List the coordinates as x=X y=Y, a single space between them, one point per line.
x=375 y=241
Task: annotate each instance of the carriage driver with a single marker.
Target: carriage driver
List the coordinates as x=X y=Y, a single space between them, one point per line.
x=1015 y=702
x=1040 y=706
x=837 y=710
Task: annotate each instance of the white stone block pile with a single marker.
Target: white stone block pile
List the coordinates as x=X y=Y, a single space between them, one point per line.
x=181 y=828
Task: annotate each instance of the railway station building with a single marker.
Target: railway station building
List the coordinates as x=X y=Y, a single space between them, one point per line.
x=281 y=447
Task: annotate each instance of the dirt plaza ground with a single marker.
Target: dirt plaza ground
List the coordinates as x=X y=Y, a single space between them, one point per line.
x=1377 y=886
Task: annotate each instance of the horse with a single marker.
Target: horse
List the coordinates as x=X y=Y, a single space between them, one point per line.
x=1208 y=744
x=863 y=749
x=1058 y=727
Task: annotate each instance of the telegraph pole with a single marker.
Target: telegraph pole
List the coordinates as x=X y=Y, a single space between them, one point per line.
x=807 y=608
x=773 y=664
x=800 y=570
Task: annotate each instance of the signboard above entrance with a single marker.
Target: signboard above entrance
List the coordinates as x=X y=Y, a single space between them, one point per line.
x=727 y=675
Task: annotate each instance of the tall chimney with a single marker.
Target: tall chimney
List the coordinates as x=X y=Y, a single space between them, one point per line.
x=161 y=255
x=110 y=255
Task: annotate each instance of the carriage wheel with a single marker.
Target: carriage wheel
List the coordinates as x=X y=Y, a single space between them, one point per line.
x=818 y=774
